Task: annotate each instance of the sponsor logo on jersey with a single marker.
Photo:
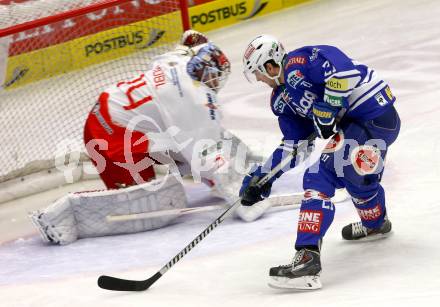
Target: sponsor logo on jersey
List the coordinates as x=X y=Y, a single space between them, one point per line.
x=371 y=214
x=380 y=99
x=335 y=143
x=322 y=114
x=389 y=93
x=305 y=103
x=211 y=105
x=176 y=81
x=366 y=159
x=279 y=104
x=333 y=100
x=314 y=55
x=337 y=84
x=211 y=98
x=118 y=42
x=300 y=60
x=222 y=13
x=296 y=78
x=310 y=221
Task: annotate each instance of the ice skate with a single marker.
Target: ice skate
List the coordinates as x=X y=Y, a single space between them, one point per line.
x=356 y=231
x=302 y=273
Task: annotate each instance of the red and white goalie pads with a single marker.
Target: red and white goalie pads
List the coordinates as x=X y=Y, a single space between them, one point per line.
x=83 y=215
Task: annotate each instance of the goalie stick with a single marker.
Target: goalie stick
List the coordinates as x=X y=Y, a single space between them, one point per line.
x=281 y=201
x=118 y=284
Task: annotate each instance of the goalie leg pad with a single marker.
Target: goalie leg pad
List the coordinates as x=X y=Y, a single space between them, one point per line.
x=56 y=223
x=89 y=210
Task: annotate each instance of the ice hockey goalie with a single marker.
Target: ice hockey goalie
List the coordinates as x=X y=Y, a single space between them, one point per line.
x=167 y=115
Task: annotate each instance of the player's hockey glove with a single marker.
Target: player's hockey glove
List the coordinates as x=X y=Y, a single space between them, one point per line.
x=324 y=119
x=249 y=192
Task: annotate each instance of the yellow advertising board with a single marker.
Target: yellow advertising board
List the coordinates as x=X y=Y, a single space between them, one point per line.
x=92 y=49
x=124 y=40
x=287 y=3
x=220 y=13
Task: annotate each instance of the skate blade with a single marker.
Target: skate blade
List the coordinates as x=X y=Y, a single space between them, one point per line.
x=371 y=238
x=300 y=283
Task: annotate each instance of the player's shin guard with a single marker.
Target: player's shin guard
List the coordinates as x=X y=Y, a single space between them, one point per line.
x=374 y=222
x=371 y=210
x=315 y=217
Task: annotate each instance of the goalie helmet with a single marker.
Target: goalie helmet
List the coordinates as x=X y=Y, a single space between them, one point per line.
x=210 y=66
x=192 y=38
x=261 y=49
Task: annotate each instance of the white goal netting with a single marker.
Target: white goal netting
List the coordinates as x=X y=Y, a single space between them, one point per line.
x=54 y=73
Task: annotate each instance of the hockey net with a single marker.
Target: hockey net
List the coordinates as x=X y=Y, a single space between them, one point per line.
x=56 y=56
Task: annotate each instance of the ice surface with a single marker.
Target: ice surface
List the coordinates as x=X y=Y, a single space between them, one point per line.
x=401 y=40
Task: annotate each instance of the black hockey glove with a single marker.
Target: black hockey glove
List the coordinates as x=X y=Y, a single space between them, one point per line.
x=250 y=193
x=324 y=120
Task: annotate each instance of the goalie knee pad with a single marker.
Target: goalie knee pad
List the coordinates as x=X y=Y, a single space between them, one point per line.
x=82 y=215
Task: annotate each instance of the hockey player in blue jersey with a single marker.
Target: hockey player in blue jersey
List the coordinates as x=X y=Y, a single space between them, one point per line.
x=319 y=89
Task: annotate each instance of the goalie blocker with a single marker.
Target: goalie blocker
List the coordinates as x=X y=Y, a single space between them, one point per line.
x=83 y=215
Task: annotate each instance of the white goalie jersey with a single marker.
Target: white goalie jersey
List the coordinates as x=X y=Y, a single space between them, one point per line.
x=180 y=120
x=176 y=113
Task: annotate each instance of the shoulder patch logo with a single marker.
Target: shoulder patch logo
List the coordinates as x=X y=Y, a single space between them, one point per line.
x=335 y=84
x=389 y=93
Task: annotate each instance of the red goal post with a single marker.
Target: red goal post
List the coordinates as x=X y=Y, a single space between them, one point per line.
x=56 y=56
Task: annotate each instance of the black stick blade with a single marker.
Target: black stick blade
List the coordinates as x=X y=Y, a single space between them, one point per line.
x=118 y=284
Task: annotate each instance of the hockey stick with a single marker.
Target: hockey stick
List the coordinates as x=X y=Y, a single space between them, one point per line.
x=284 y=201
x=118 y=284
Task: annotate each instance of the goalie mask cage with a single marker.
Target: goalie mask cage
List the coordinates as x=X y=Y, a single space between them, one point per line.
x=56 y=56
